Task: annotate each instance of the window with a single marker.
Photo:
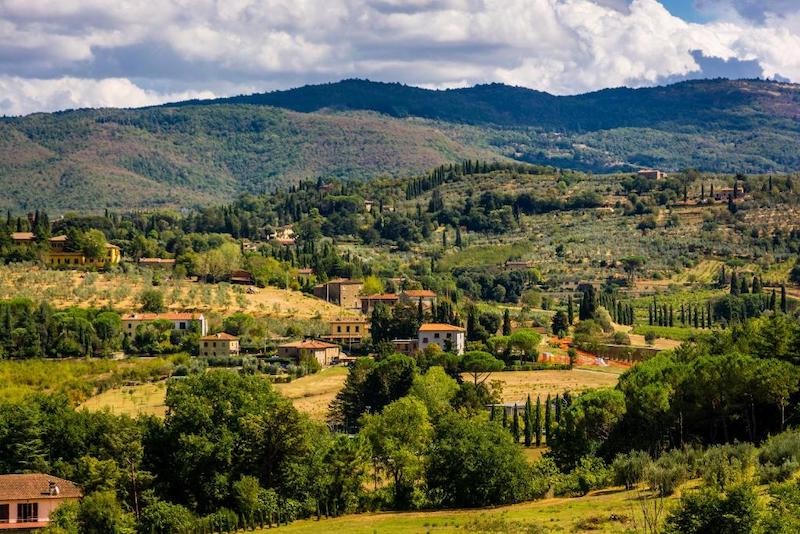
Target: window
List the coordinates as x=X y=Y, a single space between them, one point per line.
x=130 y=325
x=436 y=335
x=424 y=339
x=205 y=343
x=3 y=513
x=358 y=328
x=182 y=326
x=339 y=328
x=348 y=328
x=27 y=512
x=449 y=335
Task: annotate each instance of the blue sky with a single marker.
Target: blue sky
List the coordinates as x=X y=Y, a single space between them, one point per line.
x=93 y=53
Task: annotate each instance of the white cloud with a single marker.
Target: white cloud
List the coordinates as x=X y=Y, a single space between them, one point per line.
x=85 y=52
x=23 y=95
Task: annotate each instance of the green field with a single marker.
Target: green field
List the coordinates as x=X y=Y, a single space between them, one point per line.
x=611 y=510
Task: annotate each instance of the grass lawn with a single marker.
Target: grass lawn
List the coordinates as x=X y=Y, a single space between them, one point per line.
x=604 y=511
x=143 y=399
x=313 y=393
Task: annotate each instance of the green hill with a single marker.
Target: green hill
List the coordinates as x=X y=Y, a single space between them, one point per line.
x=92 y=159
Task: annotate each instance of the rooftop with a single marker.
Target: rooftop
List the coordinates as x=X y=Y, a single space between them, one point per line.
x=22 y=236
x=34 y=486
x=308 y=344
x=440 y=327
x=419 y=293
x=156 y=260
x=162 y=316
x=223 y=336
x=381 y=296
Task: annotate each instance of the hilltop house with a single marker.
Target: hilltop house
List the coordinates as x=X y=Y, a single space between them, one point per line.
x=324 y=353
x=407 y=297
x=342 y=292
x=26 y=501
x=180 y=321
x=449 y=337
x=219 y=345
x=652 y=174
x=61 y=254
x=347 y=331
x=23 y=238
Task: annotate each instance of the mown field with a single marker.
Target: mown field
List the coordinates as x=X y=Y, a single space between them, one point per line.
x=136 y=400
x=606 y=511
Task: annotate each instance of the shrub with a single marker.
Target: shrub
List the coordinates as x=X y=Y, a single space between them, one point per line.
x=590 y=473
x=779 y=457
x=629 y=469
x=725 y=465
x=621 y=338
x=667 y=473
x=707 y=510
x=649 y=337
x=152 y=301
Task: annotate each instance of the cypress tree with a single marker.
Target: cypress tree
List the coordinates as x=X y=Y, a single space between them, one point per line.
x=515 y=425
x=696 y=321
x=548 y=418
x=709 y=315
x=537 y=421
x=735 y=287
x=492 y=413
x=506 y=323
x=743 y=289
x=505 y=417
x=671 y=316
x=570 y=310
x=683 y=315
x=558 y=408
x=757 y=285
x=458 y=236
x=528 y=422
x=784 y=303
x=772 y=301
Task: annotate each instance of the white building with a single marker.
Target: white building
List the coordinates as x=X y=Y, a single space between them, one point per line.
x=180 y=321
x=450 y=338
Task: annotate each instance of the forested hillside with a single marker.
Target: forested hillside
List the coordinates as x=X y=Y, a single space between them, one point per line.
x=93 y=159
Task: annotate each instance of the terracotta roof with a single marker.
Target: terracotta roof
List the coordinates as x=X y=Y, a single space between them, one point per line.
x=345 y=281
x=440 y=327
x=35 y=486
x=223 y=336
x=419 y=293
x=59 y=238
x=157 y=260
x=22 y=236
x=109 y=245
x=162 y=316
x=308 y=344
x=307 y=270
x=382 y=296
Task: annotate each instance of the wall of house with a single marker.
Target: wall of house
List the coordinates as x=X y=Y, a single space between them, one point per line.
x=46 y=507
x=219 y=348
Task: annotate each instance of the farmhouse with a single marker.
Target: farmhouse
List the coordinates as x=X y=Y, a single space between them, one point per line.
x=652 y=174
x=723 y=194
x=243 y=278
x=26 y=501
x=219 y=345
x=324 y=353
x=180 y=321
x=342 y=292
x=450 y=338
x=61 y=254
x=369 y=302
x=157 y=263
x=23 y=238
x=347 y=330
x=414 y=296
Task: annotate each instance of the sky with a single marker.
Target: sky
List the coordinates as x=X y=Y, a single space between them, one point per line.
x=129 y=53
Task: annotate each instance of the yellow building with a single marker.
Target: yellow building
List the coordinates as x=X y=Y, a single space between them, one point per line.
x=219 y=345
x=59 y=255
x=348 y=331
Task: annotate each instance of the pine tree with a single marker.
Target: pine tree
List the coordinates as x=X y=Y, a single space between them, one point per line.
x=527 y=422
x=537 y=421
x=506 y=323
x=548 y=418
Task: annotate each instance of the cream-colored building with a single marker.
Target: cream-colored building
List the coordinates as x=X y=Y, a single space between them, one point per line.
x=219 y=345
x=324 y=353
x=450 y=338
x=28 y=500
x=180 y=321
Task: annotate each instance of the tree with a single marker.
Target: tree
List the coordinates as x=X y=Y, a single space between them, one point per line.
x=784 y=302
x=548 y=418
x=736 y=287
x=161 y=517
x=515 y=430
x=632 y=265
x=528 y=422
x=570 y=313
x=436 y=389
x=93 y=244
x=506 y=323
x=372 y=285
x=101 y=513
x=473 y=463
x=480 y=365
x=152 y=301
x=537 y=421
x=560 y=324
x=399 y=438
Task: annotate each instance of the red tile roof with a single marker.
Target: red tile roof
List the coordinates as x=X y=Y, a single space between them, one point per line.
x=440 y=327
x=419 y=293
x=223 y=336
x=35 y=486
x=162 y=317
x=22 y=236
x=308 y=344
x=382 y=296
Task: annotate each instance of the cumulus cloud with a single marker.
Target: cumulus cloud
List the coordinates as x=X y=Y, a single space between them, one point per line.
x=23 y=95
x=135 y=52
